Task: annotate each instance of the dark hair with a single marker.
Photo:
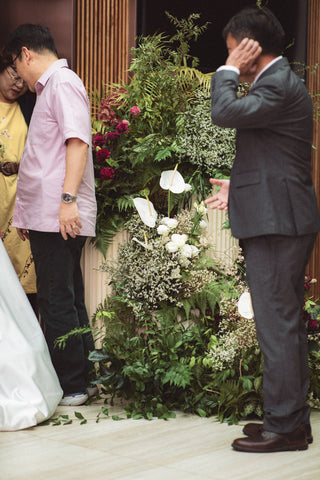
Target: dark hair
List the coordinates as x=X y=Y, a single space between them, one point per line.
x=5 y=60
x=34 y=37
x=261 y=25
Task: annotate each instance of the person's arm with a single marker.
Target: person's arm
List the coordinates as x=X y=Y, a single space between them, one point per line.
x=221 y=198
x=76 y=160
x=256 y=110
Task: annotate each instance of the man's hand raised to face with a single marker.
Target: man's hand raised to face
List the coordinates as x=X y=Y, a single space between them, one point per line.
x=244 y=57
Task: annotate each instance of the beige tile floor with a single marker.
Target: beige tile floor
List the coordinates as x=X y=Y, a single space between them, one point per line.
x=184 y=448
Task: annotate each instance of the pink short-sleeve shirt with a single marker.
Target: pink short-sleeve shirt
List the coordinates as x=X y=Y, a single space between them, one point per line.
x=62 y=111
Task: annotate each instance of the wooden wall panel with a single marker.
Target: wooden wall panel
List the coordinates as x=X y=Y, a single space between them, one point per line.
x=105 y=32
x=313 y=83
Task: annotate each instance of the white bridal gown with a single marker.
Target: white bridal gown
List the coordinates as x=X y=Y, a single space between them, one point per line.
x=29 y=387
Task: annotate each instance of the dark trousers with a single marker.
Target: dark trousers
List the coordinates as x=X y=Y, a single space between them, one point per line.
x=275 y=272
x=61 y=305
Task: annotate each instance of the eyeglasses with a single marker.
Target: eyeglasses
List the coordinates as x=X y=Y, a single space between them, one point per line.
x=12 y=72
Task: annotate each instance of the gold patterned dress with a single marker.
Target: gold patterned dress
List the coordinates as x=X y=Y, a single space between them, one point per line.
x=13 y=135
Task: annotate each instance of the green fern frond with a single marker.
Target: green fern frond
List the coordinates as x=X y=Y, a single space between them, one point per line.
x=106 y=233
x=188 y=74
x=179 y=375
x=124 y=203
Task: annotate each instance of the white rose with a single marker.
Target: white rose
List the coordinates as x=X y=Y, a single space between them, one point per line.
x=171 y=247
x=194 y=251
x=203 y=225
x=163 y=230
x=184 y=262
x=169 y=222
x=178 y=239
x=186 y=251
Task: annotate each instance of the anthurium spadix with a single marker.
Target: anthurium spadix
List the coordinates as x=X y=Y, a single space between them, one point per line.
x=245 y=306
x=172 y=180
x=146 y=211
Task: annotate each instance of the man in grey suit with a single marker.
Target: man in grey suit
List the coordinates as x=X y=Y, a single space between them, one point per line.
x=273 y=211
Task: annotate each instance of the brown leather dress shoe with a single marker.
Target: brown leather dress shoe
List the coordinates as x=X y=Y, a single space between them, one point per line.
x=253 y=428
x=265 y=442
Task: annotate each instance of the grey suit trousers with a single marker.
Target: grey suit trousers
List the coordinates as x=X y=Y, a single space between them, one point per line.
x=275 y=273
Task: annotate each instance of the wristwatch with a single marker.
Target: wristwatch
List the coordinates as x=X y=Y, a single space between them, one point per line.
x=68 y=197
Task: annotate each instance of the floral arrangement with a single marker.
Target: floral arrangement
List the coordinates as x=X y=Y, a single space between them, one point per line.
x=178 y=331
x=135 y=127
x=163 y=262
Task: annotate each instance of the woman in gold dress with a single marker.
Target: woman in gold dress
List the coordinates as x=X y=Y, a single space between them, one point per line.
x=15 y=112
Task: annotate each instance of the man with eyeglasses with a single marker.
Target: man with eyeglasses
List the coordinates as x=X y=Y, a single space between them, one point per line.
x=56 y=205
x=15 y=111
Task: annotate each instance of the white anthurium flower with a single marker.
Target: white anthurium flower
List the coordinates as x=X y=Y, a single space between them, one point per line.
x=245 y=306
x=146 y=211
x=169 y=222
x=143 y=244
x=172 y=180
x=172 y=247
x=178 y=239
x=163 y=230
x=187 y=187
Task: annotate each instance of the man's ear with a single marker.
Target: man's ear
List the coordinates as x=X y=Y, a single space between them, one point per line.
x=26 y=54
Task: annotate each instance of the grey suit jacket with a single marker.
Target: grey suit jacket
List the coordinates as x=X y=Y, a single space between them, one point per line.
x=271 y=190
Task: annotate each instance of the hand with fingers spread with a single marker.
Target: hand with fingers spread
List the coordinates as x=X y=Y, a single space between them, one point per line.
x=220 y=199
x=244 y=57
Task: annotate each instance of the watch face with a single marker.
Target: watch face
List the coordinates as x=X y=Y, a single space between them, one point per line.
x=68 y=198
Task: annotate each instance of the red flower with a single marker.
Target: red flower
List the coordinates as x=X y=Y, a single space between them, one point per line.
x=102 y=154
x=107 y=114
x=313 y=325
x=106 y=173
x=135 y=110
x=112 y=136
x=99 y=140
x=122 y=127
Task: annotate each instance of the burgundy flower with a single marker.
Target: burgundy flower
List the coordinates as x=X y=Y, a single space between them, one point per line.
x=135 y=110
x=122 y=127
x=112 y=136
x=106 y=173
x=99 y=140
x=102 y=154
x=313 y=325
x=107 y=114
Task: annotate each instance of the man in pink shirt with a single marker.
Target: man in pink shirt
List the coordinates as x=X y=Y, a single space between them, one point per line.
x=55 y=205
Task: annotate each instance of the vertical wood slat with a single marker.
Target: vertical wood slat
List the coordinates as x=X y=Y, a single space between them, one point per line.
x=313 y=83
x=104 y=37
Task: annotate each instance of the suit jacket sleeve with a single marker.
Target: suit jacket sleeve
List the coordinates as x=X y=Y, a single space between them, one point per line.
x=271 y=189
x=256 y=110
